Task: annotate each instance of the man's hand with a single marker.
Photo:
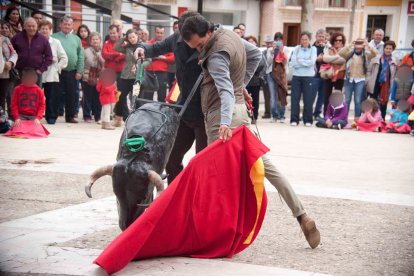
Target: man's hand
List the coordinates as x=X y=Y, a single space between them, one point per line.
x=78 y=76
x=247 y=98
x=38 y=72
x=139 y=53
x=320 y=57
x=16 y=123
x=36 y=121
x=225 y=133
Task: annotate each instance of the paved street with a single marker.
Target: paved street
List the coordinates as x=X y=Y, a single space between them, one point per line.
x=357 y=186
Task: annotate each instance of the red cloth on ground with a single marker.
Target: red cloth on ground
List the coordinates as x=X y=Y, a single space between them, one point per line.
x=405 y=128
x=28 y=101
x=27 y=129
x=212 y=209
x=159 y=64
x=107 y=94
x=113 y=59
x=370 y=127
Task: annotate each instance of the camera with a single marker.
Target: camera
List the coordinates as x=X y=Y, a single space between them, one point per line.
x=359 y=42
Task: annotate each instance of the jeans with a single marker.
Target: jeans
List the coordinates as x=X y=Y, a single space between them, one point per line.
x=266 y=96
x=322 y=123
x=162 y=82
x=68 y=87
x=359 y=89
x=273 y=96
x=188 y=131
x=319 y=86
x=121 y=107
x=254 y=91
x=302 y=85
x=90 y=102
x=52 y=93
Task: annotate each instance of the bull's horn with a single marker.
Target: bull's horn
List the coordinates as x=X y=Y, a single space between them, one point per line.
x=98 y=173
x=156 y=179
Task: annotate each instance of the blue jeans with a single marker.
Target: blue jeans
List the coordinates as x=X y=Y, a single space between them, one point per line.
x=273 y=96
x=302 y=85
x=319 y=86
x=359 y=89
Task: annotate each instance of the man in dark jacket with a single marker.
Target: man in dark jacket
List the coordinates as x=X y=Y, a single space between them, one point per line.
x=32 y=48
x=192 y=123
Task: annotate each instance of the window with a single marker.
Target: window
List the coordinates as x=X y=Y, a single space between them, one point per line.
x=337 y=3
x=293 y=2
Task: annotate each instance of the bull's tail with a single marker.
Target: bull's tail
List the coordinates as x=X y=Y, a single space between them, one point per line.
x=98 y=173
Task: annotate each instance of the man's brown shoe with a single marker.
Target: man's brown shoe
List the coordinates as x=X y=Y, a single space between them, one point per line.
x=117 y=122
x=310 y=231
x=71 y=121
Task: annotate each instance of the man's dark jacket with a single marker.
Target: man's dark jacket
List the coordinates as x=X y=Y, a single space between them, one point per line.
x=188 y=70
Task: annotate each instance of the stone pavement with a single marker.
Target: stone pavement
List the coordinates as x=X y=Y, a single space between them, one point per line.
x=358 y=187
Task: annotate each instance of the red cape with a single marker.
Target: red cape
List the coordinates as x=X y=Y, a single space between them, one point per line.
x=214 y=208
x=27 y=129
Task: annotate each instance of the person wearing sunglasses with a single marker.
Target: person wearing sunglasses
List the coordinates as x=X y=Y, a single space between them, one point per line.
x=331 y=57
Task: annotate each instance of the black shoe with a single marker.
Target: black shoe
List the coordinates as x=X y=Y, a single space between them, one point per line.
x=266 y=116
x=391 y=131
x=51 y=121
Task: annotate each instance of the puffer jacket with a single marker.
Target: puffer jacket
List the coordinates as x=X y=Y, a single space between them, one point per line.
x=8 y=54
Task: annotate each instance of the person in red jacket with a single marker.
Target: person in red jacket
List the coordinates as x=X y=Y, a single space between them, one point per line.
x=28 y=101
x=160 y=65
x=113 y=60
x=27 y=108
x=107 y=96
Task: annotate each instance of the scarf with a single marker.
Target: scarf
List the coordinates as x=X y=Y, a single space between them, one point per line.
x=385 y=70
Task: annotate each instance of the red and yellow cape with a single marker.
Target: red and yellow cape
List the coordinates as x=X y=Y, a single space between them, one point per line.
x=214 y=208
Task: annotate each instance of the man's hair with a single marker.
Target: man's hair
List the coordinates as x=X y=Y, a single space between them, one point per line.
x=65 y=18
x=390 y=43
x=113 y=26
x=236 y=28
x=379 y=30
x=241 y=24
x=184 y=16
x=278 y=35
x=321 y=31
x=196 y=25
x=159 y=27
x=175 y=22
x=45 y=23
x=412 y=43
x=29 y=19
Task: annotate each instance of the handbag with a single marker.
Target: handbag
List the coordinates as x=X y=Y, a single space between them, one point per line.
x=14 y=74
x=326 y=71
x=150 y=81
x=93 y=76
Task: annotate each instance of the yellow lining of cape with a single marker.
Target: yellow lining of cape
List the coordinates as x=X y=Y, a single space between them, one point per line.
x=257 y=177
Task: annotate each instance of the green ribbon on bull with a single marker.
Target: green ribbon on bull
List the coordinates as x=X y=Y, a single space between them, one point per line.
x=135 y=144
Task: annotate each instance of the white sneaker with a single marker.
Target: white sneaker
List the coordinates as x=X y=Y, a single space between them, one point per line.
x=294 y=124
x=282 y=120
x=273 y=120
x=308 y=124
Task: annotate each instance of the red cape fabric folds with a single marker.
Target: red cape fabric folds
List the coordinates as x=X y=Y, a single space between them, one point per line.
x=28 y=129
x=214 y=208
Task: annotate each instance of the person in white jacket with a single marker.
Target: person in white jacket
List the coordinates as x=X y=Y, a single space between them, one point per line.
x=50 y=78
x=8 y=58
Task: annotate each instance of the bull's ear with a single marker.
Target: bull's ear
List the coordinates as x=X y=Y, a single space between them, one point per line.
x=156 y=179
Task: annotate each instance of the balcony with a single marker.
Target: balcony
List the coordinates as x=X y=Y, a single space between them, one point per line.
x=322 y=4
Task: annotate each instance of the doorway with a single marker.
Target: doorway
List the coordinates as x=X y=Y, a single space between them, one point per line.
x=291 y=33
x=375 y=22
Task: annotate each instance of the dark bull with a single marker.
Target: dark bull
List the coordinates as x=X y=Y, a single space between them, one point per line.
x=144 y=149
x=135 y=174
